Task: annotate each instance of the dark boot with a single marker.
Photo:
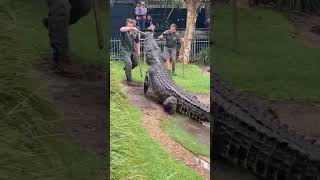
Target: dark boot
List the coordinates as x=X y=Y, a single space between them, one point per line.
x=174 y=73
x=67 y=69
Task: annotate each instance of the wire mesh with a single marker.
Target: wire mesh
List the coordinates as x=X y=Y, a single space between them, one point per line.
x=198 y=46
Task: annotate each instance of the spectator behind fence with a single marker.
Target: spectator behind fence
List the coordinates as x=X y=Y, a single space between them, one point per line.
x=136 y=10
x=141 y=14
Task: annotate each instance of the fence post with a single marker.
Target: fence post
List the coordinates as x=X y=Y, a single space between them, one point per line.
x=193 y=49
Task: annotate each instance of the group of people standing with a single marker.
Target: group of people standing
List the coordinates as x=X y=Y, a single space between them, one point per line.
x=144 y=20
x=130 y=47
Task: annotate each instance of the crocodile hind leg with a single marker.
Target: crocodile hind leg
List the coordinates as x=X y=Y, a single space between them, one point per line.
x=146 y=83
x=170 y=105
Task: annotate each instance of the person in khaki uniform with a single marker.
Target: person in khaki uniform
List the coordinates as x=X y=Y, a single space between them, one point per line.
x=172 y=38
x=130 y=47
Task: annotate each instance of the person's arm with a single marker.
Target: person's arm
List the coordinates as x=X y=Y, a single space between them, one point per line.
x=126 y=29
x=136 y=11
x=181 y=39
x=162 y=35
x=138 y=48
x=152 y=28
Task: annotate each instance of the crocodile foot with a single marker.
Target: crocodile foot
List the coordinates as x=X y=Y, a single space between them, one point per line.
x=170 y=105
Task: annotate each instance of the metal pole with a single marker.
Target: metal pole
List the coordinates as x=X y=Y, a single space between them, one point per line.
x=98 y=19
x=144 y=53
x=139 y=63
x=182 y=67
x=140 y=66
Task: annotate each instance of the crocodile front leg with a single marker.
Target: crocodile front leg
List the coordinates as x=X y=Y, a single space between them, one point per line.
x=170 y=105
x=146 y=83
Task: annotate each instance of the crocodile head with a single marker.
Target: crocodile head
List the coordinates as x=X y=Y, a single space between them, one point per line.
x=153 y=51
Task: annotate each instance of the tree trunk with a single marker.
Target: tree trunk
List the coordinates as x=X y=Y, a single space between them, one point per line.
x=192 y=14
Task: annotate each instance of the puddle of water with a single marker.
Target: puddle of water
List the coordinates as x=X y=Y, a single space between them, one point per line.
x=201 y=132
x=197 y=130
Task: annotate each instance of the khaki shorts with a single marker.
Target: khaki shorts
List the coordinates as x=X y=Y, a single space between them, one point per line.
x=170 y=53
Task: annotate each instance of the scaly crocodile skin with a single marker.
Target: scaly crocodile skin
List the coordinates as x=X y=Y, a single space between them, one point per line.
x=250 y=135
x=160 y=81
x=245 y=133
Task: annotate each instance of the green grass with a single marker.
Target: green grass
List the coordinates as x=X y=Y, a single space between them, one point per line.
x=83 y=38
x=32 y=144
x=271 y=62
x=184 y=138
x=134 y=155
x=194 y=81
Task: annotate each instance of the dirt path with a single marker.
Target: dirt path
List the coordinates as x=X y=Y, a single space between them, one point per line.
x=305 y=29
x=81 y=102
x=206 y=70
x=152 y=119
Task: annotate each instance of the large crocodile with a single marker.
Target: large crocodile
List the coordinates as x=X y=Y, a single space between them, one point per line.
x=170 y=94
x=250 y=135
x=245 y=133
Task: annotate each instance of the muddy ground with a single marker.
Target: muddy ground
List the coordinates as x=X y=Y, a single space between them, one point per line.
x=152 y=120
x=81 y=101
x=307 y=28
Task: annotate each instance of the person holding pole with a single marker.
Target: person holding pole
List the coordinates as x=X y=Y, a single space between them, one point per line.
x=130 y=47
x=172 y=38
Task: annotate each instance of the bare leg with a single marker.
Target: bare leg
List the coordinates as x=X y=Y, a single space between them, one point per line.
x=168 y=64
x=173 y=64
x=174 y=57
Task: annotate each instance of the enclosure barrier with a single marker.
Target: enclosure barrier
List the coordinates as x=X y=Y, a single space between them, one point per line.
x=153 y=3
x=199 y=49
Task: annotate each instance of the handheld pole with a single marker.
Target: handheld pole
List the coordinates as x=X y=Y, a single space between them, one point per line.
x=182 y=67
x=144 y=54
x=139 y=63
x=140 y=66
x=98 y=19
